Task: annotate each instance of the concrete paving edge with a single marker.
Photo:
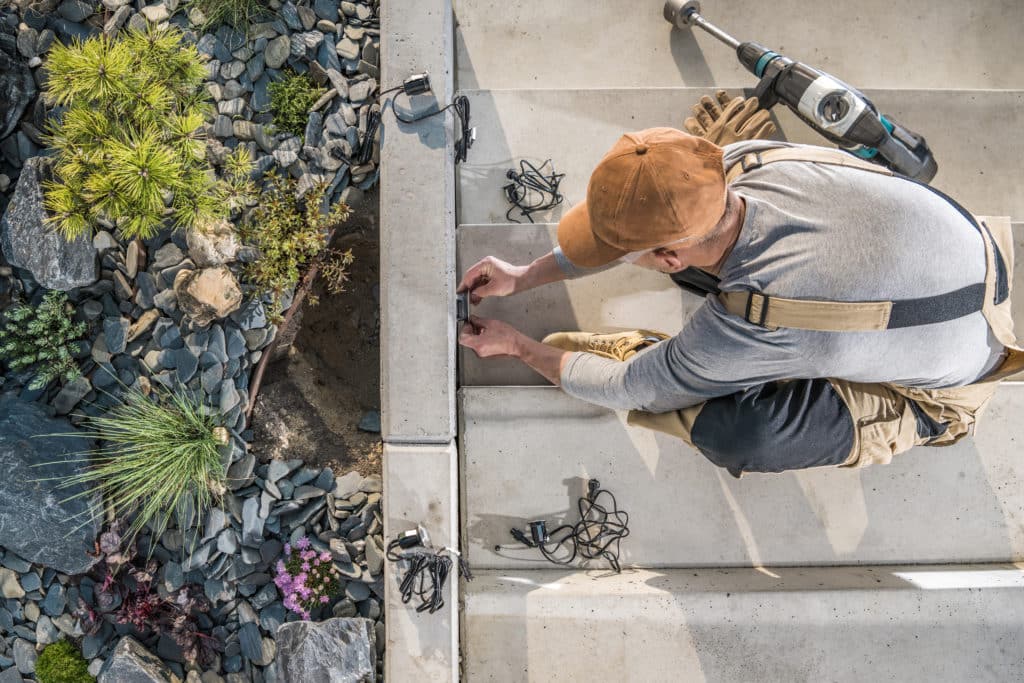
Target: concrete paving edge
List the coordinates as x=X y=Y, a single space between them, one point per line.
x=417 y=229
x=420 y=489
x=417 y=238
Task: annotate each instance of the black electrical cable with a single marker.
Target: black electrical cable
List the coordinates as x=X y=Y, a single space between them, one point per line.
x=427 y=573
x=532 y=190
x=461 y=106
x=596 y=535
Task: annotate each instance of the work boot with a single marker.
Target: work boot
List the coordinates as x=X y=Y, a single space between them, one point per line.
x=617 y=345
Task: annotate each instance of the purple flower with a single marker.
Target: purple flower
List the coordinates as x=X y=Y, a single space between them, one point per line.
x=324 y=599
x=305 y=566
x=325 y=556
x=302 y=543
x=287 y=548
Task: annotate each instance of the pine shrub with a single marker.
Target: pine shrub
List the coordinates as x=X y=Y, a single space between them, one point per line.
x=290 y=232
x=129 y=144
x=42 y=337
x=290 y=101
x=61 y=662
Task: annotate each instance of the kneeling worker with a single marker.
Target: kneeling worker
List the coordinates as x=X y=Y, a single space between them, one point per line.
x=858 y=314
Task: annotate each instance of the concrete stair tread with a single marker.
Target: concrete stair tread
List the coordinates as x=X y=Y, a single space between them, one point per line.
x=906 y=623
x=526 y=453
x=970 y=132
x=622 y=43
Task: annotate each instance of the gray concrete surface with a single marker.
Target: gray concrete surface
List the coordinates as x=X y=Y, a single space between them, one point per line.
x=625 y=43
x=421 y=488
x=908 y=624
x=970 y=132
x=628 y=298
x=526 y=453
x=417 y=200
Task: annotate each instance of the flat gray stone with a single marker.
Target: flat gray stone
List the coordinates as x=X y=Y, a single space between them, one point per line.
x=277 y=52
x=39 y=523
x=332 y=651
x=71 y=394
x=29 y=243
x=132 y=663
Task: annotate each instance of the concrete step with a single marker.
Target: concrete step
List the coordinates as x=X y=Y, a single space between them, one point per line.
x=624 y=43
x=527 y=452
x=626 y=297
x=909 y=624
x=972 y=133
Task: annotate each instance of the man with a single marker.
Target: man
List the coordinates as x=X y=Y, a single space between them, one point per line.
x=862 y=313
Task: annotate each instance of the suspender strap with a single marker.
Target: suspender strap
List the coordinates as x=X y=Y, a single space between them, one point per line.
x=820 y=155
x=853 y=316
x=773 y=312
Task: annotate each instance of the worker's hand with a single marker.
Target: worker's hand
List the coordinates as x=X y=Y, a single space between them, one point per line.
x=489 y=338
x=722 y=120
x=491 y=277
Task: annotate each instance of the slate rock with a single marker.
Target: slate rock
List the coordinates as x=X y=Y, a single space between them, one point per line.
x=75 y=10
x=17 y=88
x=132 y=663
x=370 y=422
x=25 y=656
x=277 y=52
x=207 y=294
x=38 y=522
x=334 y=651
x=29 y=243
x=115 y=331
x=71 y=394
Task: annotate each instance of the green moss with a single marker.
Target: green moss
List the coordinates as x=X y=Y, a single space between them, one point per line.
x=290 y=101
x=61 y=662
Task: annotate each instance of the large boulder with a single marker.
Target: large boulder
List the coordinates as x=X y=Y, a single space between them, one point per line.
x=132 y=663
x=17 y=87
x=332 y=651
x=29 y=243
x=207 y=294
x=212 y=245
x=39 y=521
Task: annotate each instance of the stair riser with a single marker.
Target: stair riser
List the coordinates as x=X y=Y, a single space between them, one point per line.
x=971 y=133
x=653 y=627
x=526 y=454
x=623 y=43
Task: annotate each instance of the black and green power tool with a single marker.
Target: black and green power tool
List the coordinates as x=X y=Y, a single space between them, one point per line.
x=838 y=111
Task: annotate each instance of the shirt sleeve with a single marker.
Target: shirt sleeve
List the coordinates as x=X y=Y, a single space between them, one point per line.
x=716 y=354
x=573 y=271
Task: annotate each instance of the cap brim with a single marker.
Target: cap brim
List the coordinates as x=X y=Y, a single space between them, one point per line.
x=578 y=242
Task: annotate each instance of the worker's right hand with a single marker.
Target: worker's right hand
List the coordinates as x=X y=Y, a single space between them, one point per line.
x=491 y=277
x=722 y=120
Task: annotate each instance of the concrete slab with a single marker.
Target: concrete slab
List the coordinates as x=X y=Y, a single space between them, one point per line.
x=916 y=623
x=527 y=452
x=421 y=488
x=629 y=297
x=970 y=133
x=623 y=43
x=417 y=246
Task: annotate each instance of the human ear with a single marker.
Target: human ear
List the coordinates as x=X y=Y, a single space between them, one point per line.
x=669 y=258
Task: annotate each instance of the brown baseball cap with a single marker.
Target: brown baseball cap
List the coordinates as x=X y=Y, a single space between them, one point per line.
x=654 y=187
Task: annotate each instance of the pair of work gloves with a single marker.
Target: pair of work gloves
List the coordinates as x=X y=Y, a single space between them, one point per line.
x=724 y=120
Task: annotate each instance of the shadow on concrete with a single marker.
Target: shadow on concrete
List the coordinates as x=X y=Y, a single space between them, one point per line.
x=689 y=59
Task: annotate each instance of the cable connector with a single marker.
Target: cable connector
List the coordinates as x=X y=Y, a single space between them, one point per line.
x=416 y=84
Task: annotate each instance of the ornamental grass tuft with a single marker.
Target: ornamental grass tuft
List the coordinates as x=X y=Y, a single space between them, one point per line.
x=158 y=459
x=306 y=578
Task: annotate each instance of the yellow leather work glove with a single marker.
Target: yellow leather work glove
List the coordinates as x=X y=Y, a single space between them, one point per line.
x=722 y=120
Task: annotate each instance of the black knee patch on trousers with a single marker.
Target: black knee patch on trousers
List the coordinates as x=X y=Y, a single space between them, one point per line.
x=775 y=427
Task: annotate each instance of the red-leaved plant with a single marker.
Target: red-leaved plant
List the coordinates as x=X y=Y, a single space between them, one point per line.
x=125 y=594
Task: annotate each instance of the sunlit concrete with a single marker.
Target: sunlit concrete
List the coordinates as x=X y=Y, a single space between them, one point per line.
x=527 y=452
x=810 y=624
x=624 y=43
x=421 y=486
x=972 y=133
x=417 y=245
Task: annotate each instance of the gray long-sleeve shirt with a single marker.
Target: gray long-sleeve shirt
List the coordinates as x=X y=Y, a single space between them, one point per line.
x=813 y=231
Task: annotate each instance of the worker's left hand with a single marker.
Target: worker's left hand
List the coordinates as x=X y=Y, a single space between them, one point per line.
x=489 y=338
x=722 y=120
